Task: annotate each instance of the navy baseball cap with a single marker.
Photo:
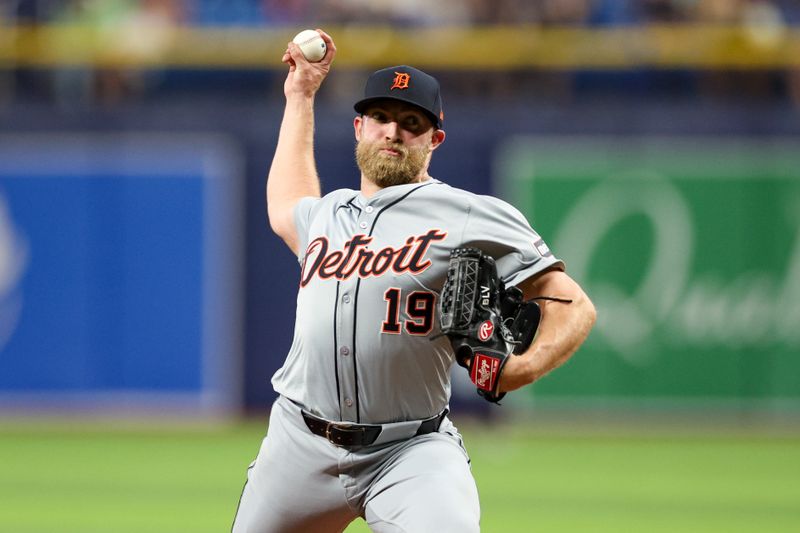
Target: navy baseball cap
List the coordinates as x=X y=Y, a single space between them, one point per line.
x=406 y=84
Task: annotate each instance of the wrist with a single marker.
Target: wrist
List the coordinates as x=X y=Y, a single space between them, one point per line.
x=300 y=98
x=516 y=373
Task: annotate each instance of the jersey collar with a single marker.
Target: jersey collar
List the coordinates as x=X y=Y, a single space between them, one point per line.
x=389 y=194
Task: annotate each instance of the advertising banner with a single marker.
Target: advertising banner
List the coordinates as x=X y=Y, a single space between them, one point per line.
x=120 y=271
x=690 y=250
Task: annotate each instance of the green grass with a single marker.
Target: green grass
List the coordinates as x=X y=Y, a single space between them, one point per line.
x=88 y=477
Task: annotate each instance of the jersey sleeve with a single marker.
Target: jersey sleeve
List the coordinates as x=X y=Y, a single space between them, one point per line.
x=303 y=213
x=499 y=229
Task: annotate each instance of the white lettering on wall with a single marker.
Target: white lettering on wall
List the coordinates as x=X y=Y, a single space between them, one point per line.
x=753 y=310
x=13 y=261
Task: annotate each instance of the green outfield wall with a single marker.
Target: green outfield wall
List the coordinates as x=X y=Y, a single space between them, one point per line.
x=690 y=249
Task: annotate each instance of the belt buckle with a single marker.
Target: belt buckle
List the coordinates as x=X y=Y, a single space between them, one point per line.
x=343 y=428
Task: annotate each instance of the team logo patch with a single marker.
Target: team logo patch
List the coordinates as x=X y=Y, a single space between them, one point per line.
x=484 y=371
x=485 y=330
x=542 y=248
x=400 y=81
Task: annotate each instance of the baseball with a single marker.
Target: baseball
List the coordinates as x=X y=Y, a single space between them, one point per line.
x=311 y=44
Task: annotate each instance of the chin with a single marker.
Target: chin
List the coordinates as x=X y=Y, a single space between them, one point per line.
x=389 y=181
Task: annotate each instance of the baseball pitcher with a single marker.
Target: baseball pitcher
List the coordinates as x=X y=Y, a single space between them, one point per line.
x=399 y=280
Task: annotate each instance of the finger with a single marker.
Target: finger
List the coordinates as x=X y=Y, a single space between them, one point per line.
x=328 y=42
x=325 y=37
x=289 y=61
x=287 y=57
x=296 y=54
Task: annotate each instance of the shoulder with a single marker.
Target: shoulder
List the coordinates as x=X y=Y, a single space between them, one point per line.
x=466 y=195
x=340 y=196
x=478 y=203
x=442 y=192
x=331 y=200
x=311 y=208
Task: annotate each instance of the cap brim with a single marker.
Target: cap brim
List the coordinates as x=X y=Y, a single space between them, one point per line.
x=362 y=106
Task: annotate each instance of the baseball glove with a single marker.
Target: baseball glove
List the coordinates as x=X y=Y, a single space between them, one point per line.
x=485 y=322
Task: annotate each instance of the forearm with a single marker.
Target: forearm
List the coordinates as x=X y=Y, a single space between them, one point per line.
x=561 y=333
x=563 y=328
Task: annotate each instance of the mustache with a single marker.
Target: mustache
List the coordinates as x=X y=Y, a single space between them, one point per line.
x=397 y=147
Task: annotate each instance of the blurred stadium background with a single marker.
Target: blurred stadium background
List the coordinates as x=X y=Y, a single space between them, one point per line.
x=144 y=303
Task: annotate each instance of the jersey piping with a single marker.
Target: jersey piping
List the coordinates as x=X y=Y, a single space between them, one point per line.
x=336 y=349
x=355 y=303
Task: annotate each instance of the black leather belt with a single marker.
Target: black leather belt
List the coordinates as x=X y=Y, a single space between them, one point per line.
x=349 y=435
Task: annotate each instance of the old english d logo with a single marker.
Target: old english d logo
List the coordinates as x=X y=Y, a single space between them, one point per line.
x=401 y=80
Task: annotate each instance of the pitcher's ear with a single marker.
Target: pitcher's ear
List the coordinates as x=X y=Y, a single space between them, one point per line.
x=437 y=138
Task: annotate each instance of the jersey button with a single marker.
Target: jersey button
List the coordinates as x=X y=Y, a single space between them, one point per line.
x=369 y=209
x=363 y=225
x=346 y=298
x=344 y=350
x=348 y=402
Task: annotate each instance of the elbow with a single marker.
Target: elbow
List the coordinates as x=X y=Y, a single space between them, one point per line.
x=279 y=218
x=283 y=228
x=274 y=221
x=591 y=313
x=277 y=226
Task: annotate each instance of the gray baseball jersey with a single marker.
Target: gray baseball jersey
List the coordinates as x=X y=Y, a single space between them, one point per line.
x=372 y=271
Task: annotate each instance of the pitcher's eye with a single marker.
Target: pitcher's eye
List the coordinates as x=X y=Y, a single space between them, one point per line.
x=378 y=116
x=412 y=123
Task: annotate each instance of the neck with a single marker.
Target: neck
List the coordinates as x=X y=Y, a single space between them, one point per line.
x=370 y=188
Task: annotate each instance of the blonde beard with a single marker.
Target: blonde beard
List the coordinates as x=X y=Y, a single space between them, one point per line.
x=385 y=170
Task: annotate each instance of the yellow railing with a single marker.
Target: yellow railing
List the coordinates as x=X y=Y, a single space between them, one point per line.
x=480 y=48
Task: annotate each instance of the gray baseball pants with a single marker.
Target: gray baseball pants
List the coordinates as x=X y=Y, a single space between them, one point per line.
x=300 y=482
